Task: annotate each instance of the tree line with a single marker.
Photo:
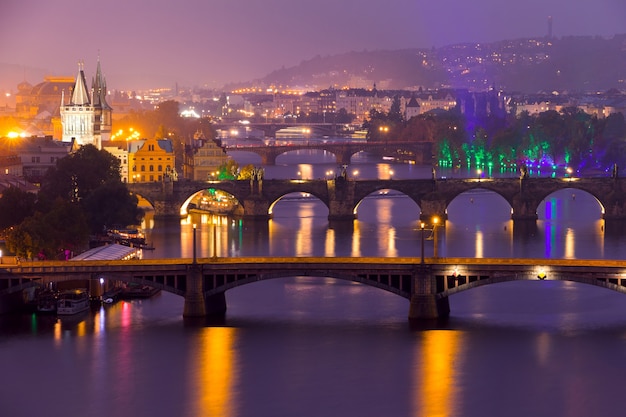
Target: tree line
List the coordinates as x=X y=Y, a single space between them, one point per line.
x=80 y=197
x=569 y=137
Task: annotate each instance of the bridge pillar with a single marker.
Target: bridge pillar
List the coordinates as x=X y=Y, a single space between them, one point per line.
x=165 y=209
x=424 y=303
x=431 y=208
x=524 y=208
x=268 y=159
x=256 y=208
x=341 y=199
x=195 y=305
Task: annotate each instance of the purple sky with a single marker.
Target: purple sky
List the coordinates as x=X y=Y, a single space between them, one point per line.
x=156 y=43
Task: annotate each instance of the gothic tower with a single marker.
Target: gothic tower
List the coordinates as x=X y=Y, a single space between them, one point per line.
x=86 y=119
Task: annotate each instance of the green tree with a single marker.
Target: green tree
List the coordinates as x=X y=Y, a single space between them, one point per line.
x=79 y=174
x=111 y=204
x=15 y=206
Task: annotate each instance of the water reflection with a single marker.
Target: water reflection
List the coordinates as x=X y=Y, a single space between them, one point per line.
x=436 y=381
x=213 y=372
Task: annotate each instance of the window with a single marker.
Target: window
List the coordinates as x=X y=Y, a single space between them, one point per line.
x=151 y=168
x=160 y=168
x=35 y=159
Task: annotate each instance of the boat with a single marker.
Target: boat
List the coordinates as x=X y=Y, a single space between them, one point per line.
x=138 y=291
x=47 y=301
x=72 y=302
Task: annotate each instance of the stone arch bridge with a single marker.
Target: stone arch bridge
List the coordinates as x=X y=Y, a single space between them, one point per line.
x=426 y=283
x=418 y=152
x=342 y=196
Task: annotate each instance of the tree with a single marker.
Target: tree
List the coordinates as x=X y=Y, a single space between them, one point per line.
x=15 y=206
x=111 y=204
x=78 y=174
x=63 y=227
x=90 y=178
x=395 y=115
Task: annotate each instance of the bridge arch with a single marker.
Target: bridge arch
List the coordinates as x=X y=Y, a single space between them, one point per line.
x=388 y=194
x=298 y=195
x=461 y=283
x=495 y=204
x=577 y=196
x=395 y=284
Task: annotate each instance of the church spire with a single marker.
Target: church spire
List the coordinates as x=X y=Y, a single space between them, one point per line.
x=80 y=97
x=99 y=88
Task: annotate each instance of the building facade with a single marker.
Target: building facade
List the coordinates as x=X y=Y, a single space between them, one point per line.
x=86 y=118
x=207 y=159
x=151 y=160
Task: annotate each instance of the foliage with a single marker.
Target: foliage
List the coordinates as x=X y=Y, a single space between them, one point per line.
x=63 y=227
x=567 y=138
x=15 y=206
x=77 y=175
x=79 y=197
x=111 y=204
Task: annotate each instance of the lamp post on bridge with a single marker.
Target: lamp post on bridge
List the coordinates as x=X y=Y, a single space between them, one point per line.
x=214 y=238
x=194 y=243
x=422 y=258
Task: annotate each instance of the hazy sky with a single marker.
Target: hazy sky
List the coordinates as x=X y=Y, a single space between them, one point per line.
x=152 y=43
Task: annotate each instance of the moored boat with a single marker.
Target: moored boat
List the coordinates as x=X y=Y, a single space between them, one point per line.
x=72 y=302
x=47 y=301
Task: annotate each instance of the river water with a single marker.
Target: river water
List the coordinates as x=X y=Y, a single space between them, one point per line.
x=314 y=346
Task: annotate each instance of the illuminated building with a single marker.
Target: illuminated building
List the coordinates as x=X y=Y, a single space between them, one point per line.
x=86 y=119
x=151 y=160
x=207 y=159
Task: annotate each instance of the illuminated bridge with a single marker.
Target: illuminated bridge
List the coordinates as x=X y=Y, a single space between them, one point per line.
x=418 y=152
x=427 y=285
x=342 y=195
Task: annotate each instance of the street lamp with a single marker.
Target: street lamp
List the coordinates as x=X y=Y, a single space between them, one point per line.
x=422 y=225
x=214 y=237
x=194 y=243
x=435 y=246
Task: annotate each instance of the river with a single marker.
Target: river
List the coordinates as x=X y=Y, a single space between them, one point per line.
x=314 y=346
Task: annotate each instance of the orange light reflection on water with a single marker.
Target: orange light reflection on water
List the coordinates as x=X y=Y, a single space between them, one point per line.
x=437 y=381
x=215 y=373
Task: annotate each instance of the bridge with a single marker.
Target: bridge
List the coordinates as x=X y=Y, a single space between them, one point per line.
x=426 y=283
x=417 y=152
x=343 y=195
x=270 y=128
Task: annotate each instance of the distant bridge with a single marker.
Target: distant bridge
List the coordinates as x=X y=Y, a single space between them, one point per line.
x=417 y=152
x=342 y=196
x=426 y=283
x=270 y=128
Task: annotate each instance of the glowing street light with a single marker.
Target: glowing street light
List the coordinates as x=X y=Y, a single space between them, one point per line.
x=194 y=243
x=435 y=244
x=422 y=257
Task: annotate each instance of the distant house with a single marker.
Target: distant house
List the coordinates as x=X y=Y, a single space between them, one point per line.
x=36 y=155
x=8 y=180
x=412 y=109
x=151 y=160
x=119 y=149
x=207 y=159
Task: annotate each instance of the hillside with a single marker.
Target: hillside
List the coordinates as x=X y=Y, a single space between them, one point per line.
x=527 y=65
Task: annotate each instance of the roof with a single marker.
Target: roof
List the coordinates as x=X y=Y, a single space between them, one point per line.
x=108 y=253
